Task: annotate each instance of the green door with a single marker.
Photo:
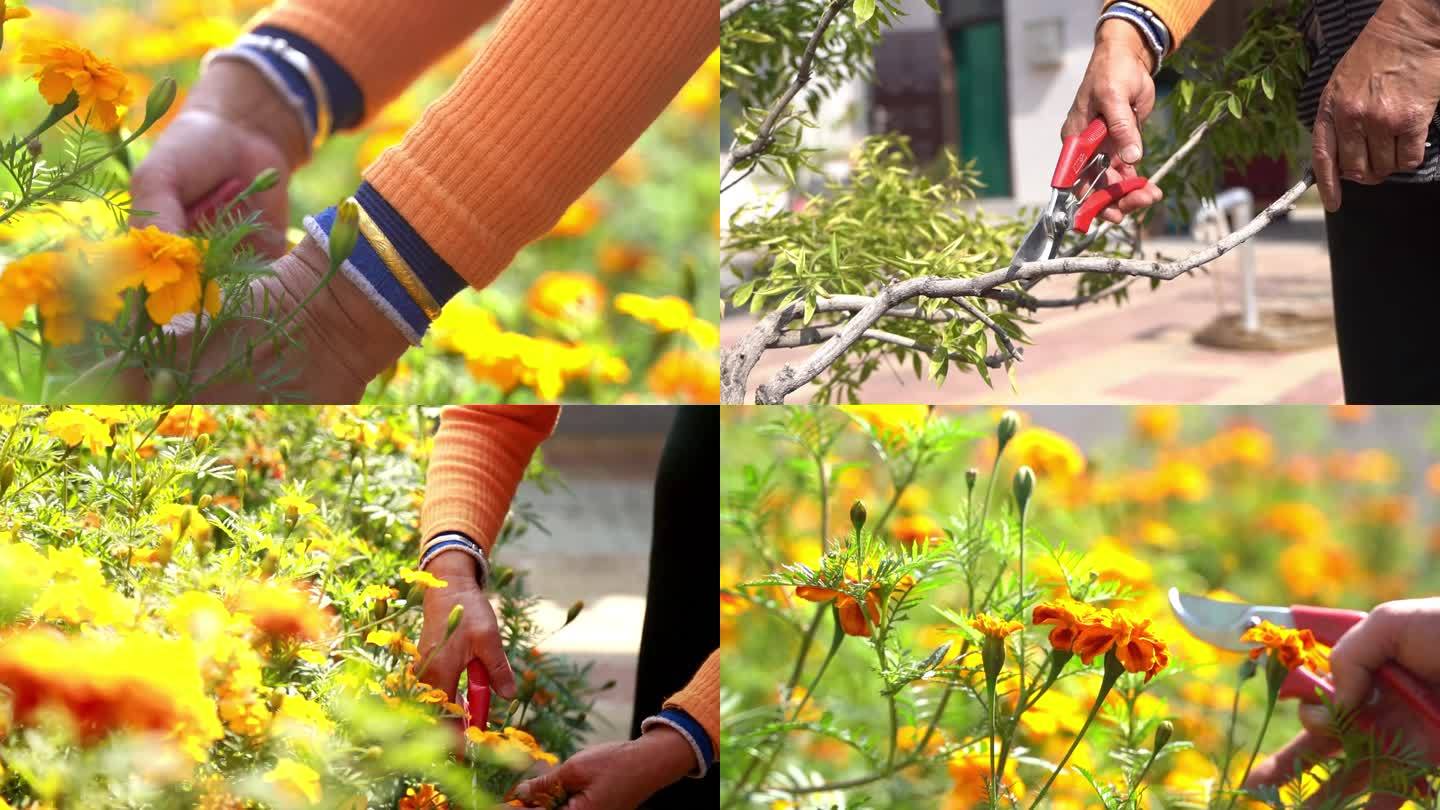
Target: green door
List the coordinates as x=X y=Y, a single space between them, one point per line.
x=979 y=54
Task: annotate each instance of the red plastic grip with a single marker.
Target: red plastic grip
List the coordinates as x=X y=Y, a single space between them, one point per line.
x=1103 y=198
x=477 y=695
x=1076 y=151
x=211 y=204
x=1328 y=624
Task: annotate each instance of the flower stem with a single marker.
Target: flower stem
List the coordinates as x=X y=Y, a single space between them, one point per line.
x=1254 y=753
x=1112 y=673
x=994 y=795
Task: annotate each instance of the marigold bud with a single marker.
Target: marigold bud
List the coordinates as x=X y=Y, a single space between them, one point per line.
x=7 y=477
x=202 y=442
x=161 y=97
x=1024 y=487
x=34 y=147
x=264 y=181
x=453 y=623
x=574 y=611
x=1163 y=733
x=164 y=388
x=270 y=565
x=241 y=478
x=504 y=577
x=1005 y=431
x=345 y=233
x=205 y=501
x=971 y=476
x=857 y=515
x=275 y=701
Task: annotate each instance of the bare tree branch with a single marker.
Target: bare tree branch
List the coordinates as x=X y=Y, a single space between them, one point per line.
x=738 y=363
x=764 y=136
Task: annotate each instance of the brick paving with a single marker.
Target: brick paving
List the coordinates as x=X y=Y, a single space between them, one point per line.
x=1144 y=350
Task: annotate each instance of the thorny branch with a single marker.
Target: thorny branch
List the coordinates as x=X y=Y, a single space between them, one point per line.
x=765 y=135
x=739 y=361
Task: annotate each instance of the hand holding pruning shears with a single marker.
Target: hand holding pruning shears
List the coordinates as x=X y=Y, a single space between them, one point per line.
x=1384 y=666
x=473 y=647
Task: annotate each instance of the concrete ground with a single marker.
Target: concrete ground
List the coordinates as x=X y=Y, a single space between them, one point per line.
x=598 y=546
x=1144 y=350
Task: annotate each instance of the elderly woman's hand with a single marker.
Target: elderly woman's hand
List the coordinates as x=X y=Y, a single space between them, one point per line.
x=233 y=126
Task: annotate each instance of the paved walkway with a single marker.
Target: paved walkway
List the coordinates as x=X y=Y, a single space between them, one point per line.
x=1144 y=350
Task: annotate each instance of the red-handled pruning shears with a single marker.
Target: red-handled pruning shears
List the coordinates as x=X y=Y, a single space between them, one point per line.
x=477 y=696
x=1223 y=623
x=209 y=207
x=1076 y=196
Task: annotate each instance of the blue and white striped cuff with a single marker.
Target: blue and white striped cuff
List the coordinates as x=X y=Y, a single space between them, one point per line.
x=369 y=273
x=692 y=731
x=347 y=100
x=456 y=542
x=1152 y=28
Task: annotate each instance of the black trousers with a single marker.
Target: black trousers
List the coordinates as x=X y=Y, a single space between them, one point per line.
x=1385 y=276
x=682 y=619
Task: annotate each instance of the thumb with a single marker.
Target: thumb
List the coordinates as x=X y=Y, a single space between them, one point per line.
x=1124 y=128
x=1315 y=718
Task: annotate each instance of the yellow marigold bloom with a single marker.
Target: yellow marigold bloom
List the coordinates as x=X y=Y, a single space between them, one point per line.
x=1089 y=631
x=683 y=376
x=298 y=782
x=578 y=219
x=75 y=427
x=700 y=97
x=1179 y=479
x=64 y=290
x=138 y=683
x=424 y=578
x=168 y=266
x=1157 y=423
x=182 y=521
x=1046 y=452
x=668 y=313
x=296 y=710
x=1293 y=648
x=1315 y=567
x=907 y=739
x=564 y=295
x=66 y=68
x=296 y=505
x=890 y=422
x=78 y=594
x=513 y=746
x=1243 y=444
x=993 y=627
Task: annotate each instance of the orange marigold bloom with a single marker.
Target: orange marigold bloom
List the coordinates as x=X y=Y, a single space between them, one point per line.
x=283 y=611
x=1089 y=631
x=1294 y=648
x=66 y=68
x=994 y=627
x=853 y=619
x=187 y=421
x=424 y=797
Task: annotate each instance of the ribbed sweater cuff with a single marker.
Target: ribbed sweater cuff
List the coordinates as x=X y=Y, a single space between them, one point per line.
x=347 y=100
x=701 y=698
x=692 y=731
x=1179 y=16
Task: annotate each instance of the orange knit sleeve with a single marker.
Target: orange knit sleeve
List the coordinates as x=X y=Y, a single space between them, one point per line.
x=1179 y=16
x=481 y=452
x=382 y=44
x=558 y=94
x=701 y=698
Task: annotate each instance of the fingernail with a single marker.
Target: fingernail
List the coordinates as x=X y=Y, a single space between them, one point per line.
x=1130 y=154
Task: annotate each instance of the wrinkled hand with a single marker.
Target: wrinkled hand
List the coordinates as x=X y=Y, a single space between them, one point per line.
x=233 y=126
x=613 y=776
x=1118 y=88
x=1395 y=632
x=1375 y=112
x=477 y=636
x=326 y=353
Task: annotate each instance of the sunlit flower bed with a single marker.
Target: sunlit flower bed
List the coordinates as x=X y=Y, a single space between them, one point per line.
x=616 y=304
x=219 y=609
x=913 y=619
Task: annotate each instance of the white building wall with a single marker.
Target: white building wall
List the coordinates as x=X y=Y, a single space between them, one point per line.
x=1047 y=46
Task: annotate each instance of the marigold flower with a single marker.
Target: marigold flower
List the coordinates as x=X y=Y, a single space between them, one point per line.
x=279 y=610
x=686 y=377
x=168 y=266
x=424 y=797
x=1089 y=631
x=424 y=578
x=993 y=627
x=75 y=427
x=66 y=68
x=297 y=781
x=562 y=295
x=916 y=529
x=187 y=421
x=854 y=620
x=65 y=292
x=578 y=219
x=1294 y=648
x=1157 y=423
x=970 y=778
x=1048 y=453
x=890 y=422
x=511 y=745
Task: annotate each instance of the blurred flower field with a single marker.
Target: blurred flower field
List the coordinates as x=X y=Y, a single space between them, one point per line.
x=218 y=609
x=914 y=617
x=616 y=304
